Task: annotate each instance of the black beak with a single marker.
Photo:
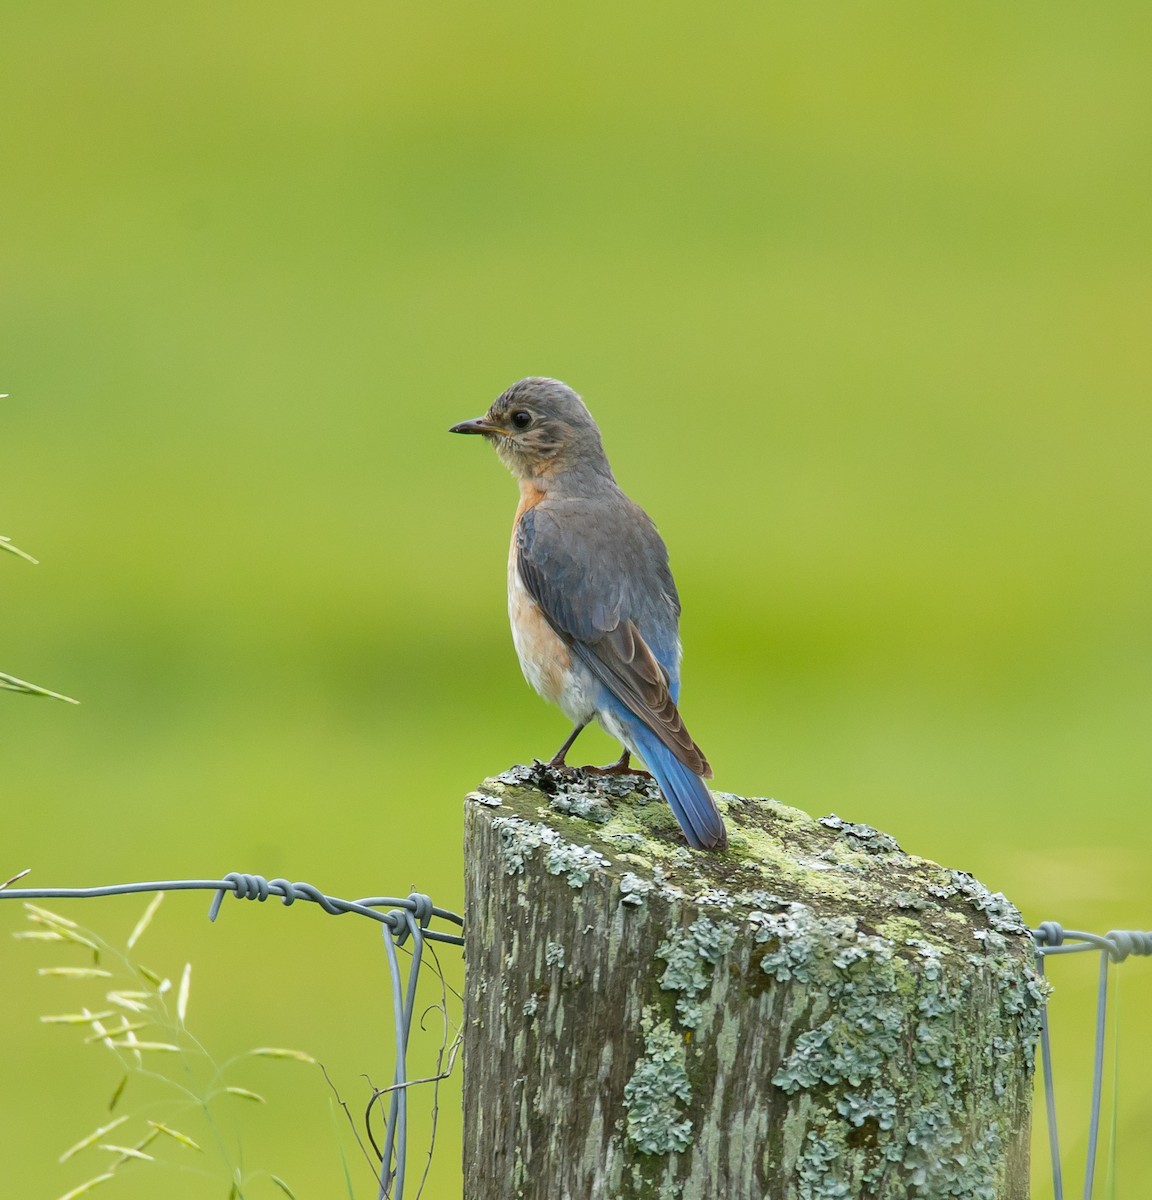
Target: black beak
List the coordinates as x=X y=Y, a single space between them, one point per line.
x=479 y=425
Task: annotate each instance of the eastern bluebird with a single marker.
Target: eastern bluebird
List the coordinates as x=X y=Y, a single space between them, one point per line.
x=593 y=606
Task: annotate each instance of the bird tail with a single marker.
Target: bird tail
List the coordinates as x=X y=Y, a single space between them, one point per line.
x=690 y=800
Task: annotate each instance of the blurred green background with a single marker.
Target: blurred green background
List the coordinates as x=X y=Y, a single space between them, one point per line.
x=860 y=296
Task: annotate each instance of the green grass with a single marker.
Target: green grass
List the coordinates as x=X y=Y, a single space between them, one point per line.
x=859 y=296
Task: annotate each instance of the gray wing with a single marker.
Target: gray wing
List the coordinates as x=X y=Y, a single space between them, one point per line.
x=599 y=572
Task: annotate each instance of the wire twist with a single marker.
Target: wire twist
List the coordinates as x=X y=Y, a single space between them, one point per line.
x=1048 y=933
x=1129 y=941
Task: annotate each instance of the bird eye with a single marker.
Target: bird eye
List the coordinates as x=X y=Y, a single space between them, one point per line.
x=521 y=419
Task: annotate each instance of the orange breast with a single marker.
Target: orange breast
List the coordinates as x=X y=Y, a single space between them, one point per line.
x=530 y=496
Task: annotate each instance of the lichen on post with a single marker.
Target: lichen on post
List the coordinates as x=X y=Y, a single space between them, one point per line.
x=812 y=1014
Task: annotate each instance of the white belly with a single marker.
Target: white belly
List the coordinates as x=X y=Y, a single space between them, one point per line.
x=547 y=663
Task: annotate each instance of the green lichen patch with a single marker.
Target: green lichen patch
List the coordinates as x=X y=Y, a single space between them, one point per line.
x=863 y=837
x=520 y=838
x=633 y=889
x=655 y=1095
x=691 y=954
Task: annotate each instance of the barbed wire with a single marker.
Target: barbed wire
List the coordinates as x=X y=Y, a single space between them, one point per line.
x=1113 y=947
x=407 y=917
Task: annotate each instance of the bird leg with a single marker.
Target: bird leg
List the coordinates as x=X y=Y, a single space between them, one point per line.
x=556 y=762
x=619 y=767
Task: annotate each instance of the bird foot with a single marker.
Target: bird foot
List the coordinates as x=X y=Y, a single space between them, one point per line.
x=557 y=763
x=619 y=767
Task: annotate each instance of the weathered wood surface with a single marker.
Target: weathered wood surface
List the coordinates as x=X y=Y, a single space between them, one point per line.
x=811 y=1014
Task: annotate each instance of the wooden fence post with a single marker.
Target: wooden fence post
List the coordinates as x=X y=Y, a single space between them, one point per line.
x=811 y=1015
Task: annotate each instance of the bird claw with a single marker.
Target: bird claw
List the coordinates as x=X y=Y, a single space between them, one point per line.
x=619 y=767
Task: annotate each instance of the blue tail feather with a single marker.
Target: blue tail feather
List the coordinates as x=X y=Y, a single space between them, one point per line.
x=691 y=801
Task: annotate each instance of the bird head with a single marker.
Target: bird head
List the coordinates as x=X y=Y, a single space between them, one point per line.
x=540 y=427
